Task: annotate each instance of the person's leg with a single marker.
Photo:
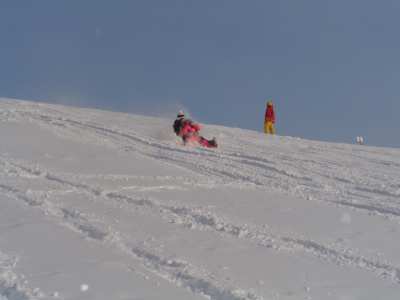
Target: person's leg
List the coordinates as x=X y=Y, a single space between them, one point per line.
x=204 y=142
x=207 y=143
x=266 y=127
x=191 y=139
x=272 y=128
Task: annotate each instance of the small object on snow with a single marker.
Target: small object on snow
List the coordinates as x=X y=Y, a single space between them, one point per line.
x=84 y=287
x=360 y=140
x=56 y=295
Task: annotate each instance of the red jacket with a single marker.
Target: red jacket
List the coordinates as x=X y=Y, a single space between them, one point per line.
x=270 y=114
x=189 y=128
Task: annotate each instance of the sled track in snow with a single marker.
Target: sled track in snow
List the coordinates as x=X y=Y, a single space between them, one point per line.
x=261 y=172
x=197 y=219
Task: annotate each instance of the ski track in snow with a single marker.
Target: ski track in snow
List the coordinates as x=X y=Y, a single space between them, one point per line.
x=174 y=271
x=198 y=219
x=311 y=177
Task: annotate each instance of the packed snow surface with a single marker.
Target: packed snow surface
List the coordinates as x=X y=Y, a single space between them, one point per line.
x=103 y=205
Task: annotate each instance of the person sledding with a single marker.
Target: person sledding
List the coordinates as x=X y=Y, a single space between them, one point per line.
x=189 y=131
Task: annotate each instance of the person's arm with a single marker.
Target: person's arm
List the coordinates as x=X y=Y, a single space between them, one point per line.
x=273 y=115
x=196 y=126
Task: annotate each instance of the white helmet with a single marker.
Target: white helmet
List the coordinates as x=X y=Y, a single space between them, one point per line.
x=181 y=114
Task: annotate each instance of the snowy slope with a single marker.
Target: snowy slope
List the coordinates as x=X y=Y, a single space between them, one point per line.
x=103 y=205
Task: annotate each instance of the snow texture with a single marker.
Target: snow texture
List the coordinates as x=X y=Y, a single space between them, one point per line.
x=104 y=205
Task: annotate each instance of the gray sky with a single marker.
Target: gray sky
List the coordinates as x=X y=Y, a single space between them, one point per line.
x=331 y=67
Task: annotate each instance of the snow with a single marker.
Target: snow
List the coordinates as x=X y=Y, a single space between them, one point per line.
x=104 y=205
x=84 y=287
